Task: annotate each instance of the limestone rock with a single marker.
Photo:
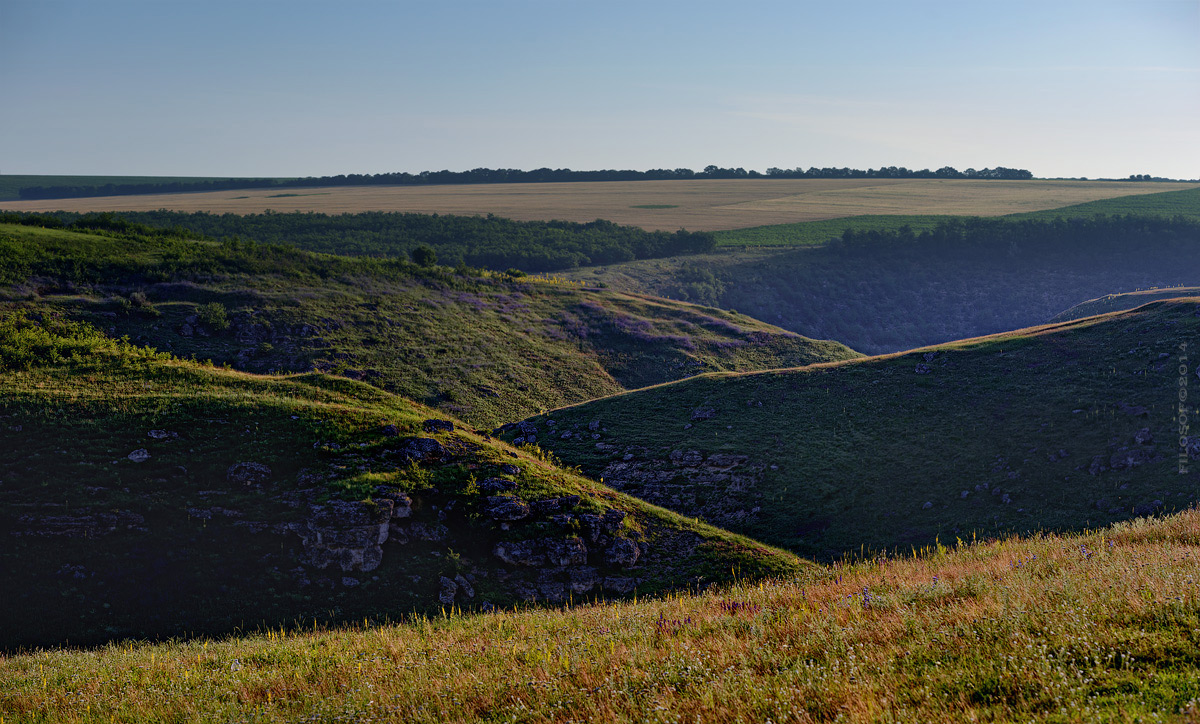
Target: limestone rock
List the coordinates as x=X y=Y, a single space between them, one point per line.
x=622 y=552
x=248 y=473
x=506 y=507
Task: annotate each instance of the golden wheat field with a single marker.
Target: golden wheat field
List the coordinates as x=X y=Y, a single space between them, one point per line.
x=701 y=205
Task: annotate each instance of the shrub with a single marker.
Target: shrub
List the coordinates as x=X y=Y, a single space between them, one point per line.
x=213 y=315
x=423 y=256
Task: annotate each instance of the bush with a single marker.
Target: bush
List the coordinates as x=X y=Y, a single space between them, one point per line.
x=424 y=256
x=213 y=315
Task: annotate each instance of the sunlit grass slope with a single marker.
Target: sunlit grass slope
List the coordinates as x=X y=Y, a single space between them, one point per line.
x=1055 y=427
x=142 y=495
x=487 y=348
x=1081 y=628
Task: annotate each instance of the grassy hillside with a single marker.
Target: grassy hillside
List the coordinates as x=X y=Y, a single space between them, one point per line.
x=1096 y=627
x=1056 y=427
x=1120 y=302
x=487 y=348
x=885 y=291
x=143 y=495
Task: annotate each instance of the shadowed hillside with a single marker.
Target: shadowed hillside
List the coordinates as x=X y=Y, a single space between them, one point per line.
x=886 y=291
x=1056 y=427
x=150 y=496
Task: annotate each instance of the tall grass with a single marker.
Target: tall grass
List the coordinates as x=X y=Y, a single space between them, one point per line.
x=1094 y=627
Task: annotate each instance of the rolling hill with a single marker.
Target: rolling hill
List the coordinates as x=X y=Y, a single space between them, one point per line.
x=483 y=347
x=1057 y=427
x=147 y=496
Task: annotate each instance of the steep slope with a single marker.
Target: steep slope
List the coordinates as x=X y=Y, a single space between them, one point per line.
x=888 y=291
x=142 y=495
x=1056 y=427
x=483 y=347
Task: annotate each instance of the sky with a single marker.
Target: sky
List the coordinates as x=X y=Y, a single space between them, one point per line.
x=296 y=88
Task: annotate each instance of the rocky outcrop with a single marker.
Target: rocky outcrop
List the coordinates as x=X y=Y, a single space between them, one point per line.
x=81 y=524
x=350 y=535
x=719 y=487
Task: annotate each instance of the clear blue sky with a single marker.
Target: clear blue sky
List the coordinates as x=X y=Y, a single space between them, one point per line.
x=252 y=87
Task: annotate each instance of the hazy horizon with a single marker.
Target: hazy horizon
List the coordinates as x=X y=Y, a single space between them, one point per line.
x=220 y=88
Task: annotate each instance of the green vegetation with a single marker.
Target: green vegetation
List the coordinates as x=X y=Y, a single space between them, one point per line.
x=1167 y=204
x=1095 y=627
x=490 y=241
x=127 y=517
x=1055 y=428
x=810 y=233
x=484 y=347
x=884 y=291
x=1120 y=302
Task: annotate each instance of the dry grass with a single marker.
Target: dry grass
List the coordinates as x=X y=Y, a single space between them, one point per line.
x=1097 y=627
x=705 y=205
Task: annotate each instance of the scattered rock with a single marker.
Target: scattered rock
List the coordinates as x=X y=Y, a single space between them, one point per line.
x=496 y=485
x=582 y=579
x=620 y=584
x=594 y=425
x=140 y=455
x=437 y=426
x=349 y=582
x=448 y=591
x=520 y=553
x=348 y=534
x=1143 y=436
x=422 y=449
x=703 y=413
x=1147 y=508
x=927 y=505
x=923 y=369
x=612 y=520
x=622 y=552
x=565 y=552
x=506 y=507
x=162 y=435
x=430 y=532
x=509 y=469
x=248 y=473
x=1125 y=458
x=464 y=586
x=390 y=431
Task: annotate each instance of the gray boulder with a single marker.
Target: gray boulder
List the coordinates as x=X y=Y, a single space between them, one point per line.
x=248 y=473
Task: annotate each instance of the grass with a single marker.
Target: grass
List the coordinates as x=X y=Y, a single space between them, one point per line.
x=488 y=348
x=1093 y=627
x=1119 y=302
x=1053 y=428
x=701 y=205
x=195 y=551
x=1152 y=202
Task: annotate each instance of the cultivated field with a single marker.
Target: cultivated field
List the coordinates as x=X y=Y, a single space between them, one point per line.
x=704 y=205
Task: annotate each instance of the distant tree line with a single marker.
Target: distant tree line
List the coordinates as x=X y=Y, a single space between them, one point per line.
x=479 y=241
x=505 y=175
